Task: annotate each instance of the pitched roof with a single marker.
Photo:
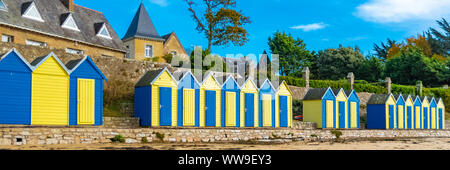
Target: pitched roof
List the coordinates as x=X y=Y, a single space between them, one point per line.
x=72 y=65
x=348 y=92
x=336 y=91
x=148 y=77
x=378 y=99
x=142 y=26
x=221 y=79
x=315 y=94
x=39 y=60
x=53 y=12
x=179 y=74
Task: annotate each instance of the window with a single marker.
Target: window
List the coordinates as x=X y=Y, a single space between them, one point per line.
x=7 y=38
x=74 y=51
x=174 y=53
x=33 y=13
x=70 y=23
x=148 y=51
x=2 y=5
x=35 y=43
x=108 y=56
x=103 y=32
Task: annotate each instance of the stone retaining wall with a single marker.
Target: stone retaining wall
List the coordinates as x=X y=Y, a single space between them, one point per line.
x=38 y=136
x=120 y=122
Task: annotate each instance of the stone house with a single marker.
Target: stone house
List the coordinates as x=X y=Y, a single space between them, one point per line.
x=59 y=24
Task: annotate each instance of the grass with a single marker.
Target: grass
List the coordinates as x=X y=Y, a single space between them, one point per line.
x=114 y=110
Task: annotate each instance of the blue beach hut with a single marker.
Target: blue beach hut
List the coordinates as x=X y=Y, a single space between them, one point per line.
x=400 y=111
x=433 y=114
x=381 y=112
x=418 y=115
x=15 y=89
x=425 y=112
x=354 y=109
x=266 y=104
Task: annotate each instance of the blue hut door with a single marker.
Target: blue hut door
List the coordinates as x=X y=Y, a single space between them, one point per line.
x=409 y=117
x=440 y=120
x=425 y=118
x=391 y=117
x=165 y=106
x=210 y=108
x=283 y=111
x=342 y=115
x=249 y=109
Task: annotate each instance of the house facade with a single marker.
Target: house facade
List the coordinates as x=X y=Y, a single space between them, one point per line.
x=59 y=24
x=142 y=41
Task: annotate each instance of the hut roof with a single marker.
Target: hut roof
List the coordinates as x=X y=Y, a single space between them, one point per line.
x=148 y=77
x=315 y=94
x=378 y=99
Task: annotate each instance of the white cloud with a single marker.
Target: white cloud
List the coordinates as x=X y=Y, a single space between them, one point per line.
x=162 y=3
x=396 y=11
x=310 y=27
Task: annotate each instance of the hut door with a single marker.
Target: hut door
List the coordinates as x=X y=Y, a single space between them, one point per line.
x=267 y=110
x=165 y=106
x=418 y=118
x=400 y=119
x=440 y=120
x=188 y=107
x=342 y=115
x=330 y=117
x=283 y=111
x=86 y=101
x=425 y=118
x=210 y=108
x=353 y=118
x=391 y=117
x=433 y=117
x=230 y=112
x=249 y=110
x=409 y=117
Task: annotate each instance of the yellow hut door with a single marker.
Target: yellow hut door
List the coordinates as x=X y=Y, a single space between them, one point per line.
x=267 y=110
x=329 y=114
x=353 y=118
x=230 y=109
x=86 y=101
x=188 y=107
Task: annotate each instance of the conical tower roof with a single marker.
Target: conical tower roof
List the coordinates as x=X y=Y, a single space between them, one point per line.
x=142 y=26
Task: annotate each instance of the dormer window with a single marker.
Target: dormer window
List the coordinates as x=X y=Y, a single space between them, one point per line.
x=3 y=6
x=70 y=23
x=32 y=12
x=103 y=32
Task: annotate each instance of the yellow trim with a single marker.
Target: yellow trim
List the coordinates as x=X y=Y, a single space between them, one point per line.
x=353 y=118
x=242 y=109
x=329 y=111
x=230 y=109
x=433 y=117
x=400 y=116
x=417 y=113
x=155 y=106
x=188 y=107
x=267 y=110
x=86 y=102
x=277 y=110
x=425 y=104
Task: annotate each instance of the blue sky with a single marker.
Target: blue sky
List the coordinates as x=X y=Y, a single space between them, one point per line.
x=321 y=24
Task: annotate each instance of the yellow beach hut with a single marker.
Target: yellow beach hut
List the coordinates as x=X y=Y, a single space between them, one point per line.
x=283 y=105
x=341 y=109
x=249 y=103
x=319 y=107
x=50 y=91
x=156 y=99
x=441 y=113
x=210 y=101
x=433 y=113
x=425 y=112
x=409 y=105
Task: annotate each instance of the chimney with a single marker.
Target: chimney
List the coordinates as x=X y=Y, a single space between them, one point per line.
x=388 y=84
x=69 y=4
x=351 y=79
x=305 y=76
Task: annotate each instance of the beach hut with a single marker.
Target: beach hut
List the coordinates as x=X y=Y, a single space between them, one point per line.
x=283 y=104
x=50 y=91
x=400 y=111
x=433 y=114
x=441 y=113
x=249 y=103
x=188 y=99
x=210 y=102
x=409 y=103
x=155 y=99
x=266 y=104
x=425 y=112
x=381 y=112
x=85 y=93
x=353 y=103
x=319 y=107
x=418 y=115
x=341 y=108
x=15 y=89
x=230 y=102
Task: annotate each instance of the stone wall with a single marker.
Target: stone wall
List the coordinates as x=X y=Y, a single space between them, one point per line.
x=38 y=136
x=120 y=122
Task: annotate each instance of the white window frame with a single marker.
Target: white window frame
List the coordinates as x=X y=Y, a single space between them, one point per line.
x=25 y=14
x=74 y=51
x=145 y=51
x=35 y=43
x=64 y=24
x=107 y=32
x=9 y=38
x=5 y=8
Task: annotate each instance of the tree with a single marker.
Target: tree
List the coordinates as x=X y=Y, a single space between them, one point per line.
x=440 y=41
x=371 y=69
x=336 y=63
x=382 y=50
x=208 y=61
x=411 y=64
x=293 y=55
x=220 y=22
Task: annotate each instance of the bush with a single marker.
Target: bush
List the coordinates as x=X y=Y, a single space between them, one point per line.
x=144 y=140
x=118 y=138
x=336 y=133
x=297 y=107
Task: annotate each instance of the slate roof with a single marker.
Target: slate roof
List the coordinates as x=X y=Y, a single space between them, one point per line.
x=37 y=60
x=221 y=79
x=53 y=12
x=315 y=94
x=378 y=99
x=142 y=26
x=335 y=91
x=178 y=75
x=348 y=92
x=72 y=63
x=148 y=77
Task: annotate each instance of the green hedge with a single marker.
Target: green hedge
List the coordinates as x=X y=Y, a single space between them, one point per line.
x=364 y=86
